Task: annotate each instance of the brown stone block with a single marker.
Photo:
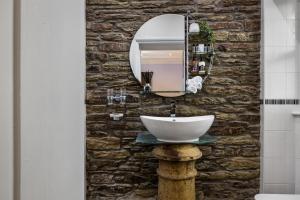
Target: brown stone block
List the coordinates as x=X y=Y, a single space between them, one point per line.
x=140 y=195
x=237 y=174
x=129 y=27
x=239 y=47
x=213 y=80
x=239 y=163
x=207 y=3
x=235 y=62
x=231 y=90
x=252 y=25
x=211 y=17
x=122 y=56
x=242 y=99
x=159 y=110
x=111 y=154
x=251 y=80
x=206 y=150
x=227 y=25
x=114 y=47
x=100 y=26
x=95 y=126
x=95 y=108
x=107 y=15
x=186 y=111
x=126 y=133
x=221 y=36
x=237 y=140
x=100 y=117
x=235 y=71
x=101 y=178
x=130 y=167
x=117 y=189
x=251 y=117
x=223 y=152
x=183 y=3
x=230 y=189
x=116 y=66
x=227 y=108
x=231 y=128
x=205 y=164
x=250 y=151
x=240 y=2
x=93 y=42
x=102 y=164
x=225 y=116
x=154 y=101
x=178 y=9
x=97 y=143
x=134 y=126
x=114 y=36
x=205 y=100
x=99 y=197
x=148 y=4
x=243 y=37
x=107 y=2
x=96 y=133
x=250 y=9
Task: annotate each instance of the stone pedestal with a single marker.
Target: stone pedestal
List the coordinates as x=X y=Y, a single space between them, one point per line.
x=177 y=171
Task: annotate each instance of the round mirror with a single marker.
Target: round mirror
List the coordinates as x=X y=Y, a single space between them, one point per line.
x=157 y=55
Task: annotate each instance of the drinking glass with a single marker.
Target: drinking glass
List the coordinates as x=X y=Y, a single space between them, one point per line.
x=122 y=95
x=110 y=96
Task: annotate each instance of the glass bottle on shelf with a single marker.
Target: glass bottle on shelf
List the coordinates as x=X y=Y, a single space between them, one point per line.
x=194 y=66
x=201 y=65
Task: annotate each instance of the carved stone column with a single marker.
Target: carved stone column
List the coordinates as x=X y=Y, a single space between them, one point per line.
x=177 y=171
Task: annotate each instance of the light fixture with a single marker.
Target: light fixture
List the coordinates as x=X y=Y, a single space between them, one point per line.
x=194 y=27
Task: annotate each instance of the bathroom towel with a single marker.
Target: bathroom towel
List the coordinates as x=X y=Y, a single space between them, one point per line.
x=194 y=84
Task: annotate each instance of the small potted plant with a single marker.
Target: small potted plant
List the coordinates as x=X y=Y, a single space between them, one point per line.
x=206 y=34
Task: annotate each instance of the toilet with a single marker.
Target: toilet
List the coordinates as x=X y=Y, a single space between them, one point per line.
x=277 y=197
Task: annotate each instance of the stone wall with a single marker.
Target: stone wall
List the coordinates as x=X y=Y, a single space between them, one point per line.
x=117 y=168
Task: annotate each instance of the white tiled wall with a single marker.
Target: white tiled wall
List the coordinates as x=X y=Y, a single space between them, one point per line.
x=281 y=29
x=278 y=117
x=281 y=74
x=297 y=176
x=278 y=149
x=297 y=153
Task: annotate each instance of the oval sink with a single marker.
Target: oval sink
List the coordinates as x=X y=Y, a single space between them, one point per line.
x=178 y=129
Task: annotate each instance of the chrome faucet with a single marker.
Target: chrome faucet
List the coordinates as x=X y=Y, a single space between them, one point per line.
x=173 y=109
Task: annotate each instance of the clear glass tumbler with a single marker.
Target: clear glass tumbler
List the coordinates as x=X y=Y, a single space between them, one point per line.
x=110 y=96
x=122 y=95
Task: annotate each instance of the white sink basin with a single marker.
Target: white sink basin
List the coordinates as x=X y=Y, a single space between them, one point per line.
x=178 y=129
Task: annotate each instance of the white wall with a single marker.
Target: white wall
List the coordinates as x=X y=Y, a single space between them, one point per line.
x=281 y=76
x=6 y=99
x=52 y=99
x=297 y=150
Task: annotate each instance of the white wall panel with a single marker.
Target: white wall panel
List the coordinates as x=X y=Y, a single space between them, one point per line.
x=52 y=99
x=6 y=99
